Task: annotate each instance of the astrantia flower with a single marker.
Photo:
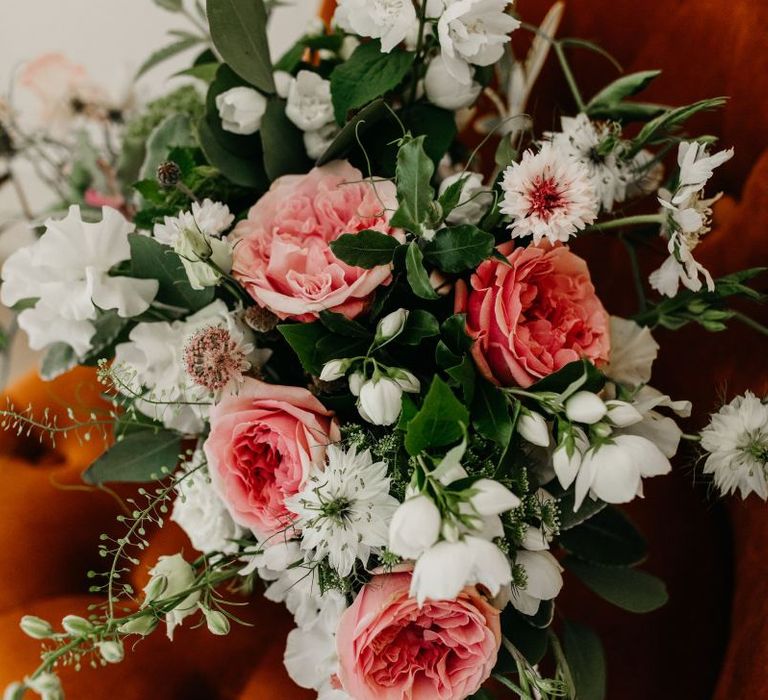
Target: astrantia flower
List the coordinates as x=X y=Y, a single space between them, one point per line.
x=344 y=509
x=215 y=360
x=68 y=271
x=737 y=441
x=548 y=195
x=389 y=20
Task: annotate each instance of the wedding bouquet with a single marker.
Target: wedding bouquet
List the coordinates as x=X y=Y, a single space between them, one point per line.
x=337 y=318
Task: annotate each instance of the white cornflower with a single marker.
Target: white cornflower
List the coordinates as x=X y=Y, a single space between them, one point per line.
x=309 y=103
x=392 y=21
x=548 y=195
x=737 y=441
x=344 y=510
x=67 y=271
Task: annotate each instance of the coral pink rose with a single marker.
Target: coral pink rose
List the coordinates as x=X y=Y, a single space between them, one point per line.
x=389 y=648
x=262 y=445
x=282 y=254
x=532 y=317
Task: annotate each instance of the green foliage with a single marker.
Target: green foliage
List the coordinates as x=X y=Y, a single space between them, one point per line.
x=588 y=508
x=139 y=457
x=610 y=103
x=367 y=74
x=58 y=359
x=608 y=538
x=575 y=376
x=315 y=344
x=354 y=129
x=366 y=249
x=586 y=661
x=174 y=131
x=459 y=248
x=441 y=420
x=490 y=413
x=282 y=142
x=530 y=641
x=340 y=324
x=414 y=192
x=167 y=52
x=417 y=274
x=419 y=325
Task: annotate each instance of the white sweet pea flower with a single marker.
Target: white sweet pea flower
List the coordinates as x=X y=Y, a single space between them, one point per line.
x=333 y=370
x=67 y=271
x=533 y=428
x=535 y=539
x=392 y=21
x=309 y=103
x=633 y=351
x=356 y=381
x=380 y=401
x=415 y=527
x=406 y=380
x=444 y=90
x=622 y=414
x=696 y=168
x=585 y=407
x=474 y=202
x=544 y=580
x=241 y=110
x=171 y=576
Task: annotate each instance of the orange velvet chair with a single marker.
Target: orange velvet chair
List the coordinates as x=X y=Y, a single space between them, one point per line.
x=711 y=639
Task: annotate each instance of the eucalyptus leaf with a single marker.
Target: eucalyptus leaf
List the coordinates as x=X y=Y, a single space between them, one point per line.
x=607 y=538
x=586 y=661
x=139 y=457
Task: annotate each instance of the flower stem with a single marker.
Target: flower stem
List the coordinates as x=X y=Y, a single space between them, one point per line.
x=419 y=45
x=748 y=321
x=636 y=274
x=639 y=220
x=557 y=46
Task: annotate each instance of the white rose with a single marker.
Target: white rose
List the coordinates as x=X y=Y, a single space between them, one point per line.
x=171 y=576
x=380 y=401
x=241 y=110
x=474 y=202
x=309 y=101
x=392 y=21
x=415 y=527
x=444 y=90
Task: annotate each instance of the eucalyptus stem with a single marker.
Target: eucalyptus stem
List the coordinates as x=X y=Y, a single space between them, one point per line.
x=749 y=321
x=636 y=274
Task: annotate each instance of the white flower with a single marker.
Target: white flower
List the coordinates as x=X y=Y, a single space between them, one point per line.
x=391 y=325
x=474 y=202
x=622 y=414
x=491 y=498
x=241 y=110
x=548 y=195
x=310 y=651
x=447 y=567
x=111 y=651
x=317 y=142
x=67 y=271
x=309 y=103
x=696 y=168
x=46 y=685
x=737 y=441
x=566 y=459
x=535 y=539
x=333 y=370
x=208 y=217
x=344 y=510
x=633 y=351
x=613 y=471
x=407 y=381
x=389 y=20
x=444 y=90
x=380 y=401
x=543 y=580
x=356 y=381
x=585 y=407
x=415 y=527
x=533 y=427
x=172 y=576
x=473 y=31
x=201 y=513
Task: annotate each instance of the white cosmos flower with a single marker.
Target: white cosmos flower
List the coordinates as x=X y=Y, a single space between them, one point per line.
x=392 y=21
x=633 y=352
x=548 y=195
x=474 y=202
x=67 y=271
x=696 y=168
x=737 y=441
x=241 y=110
x=309 y=103
x=344 y=510
x=170 y=576
x=473 y=31
x=310 y=657
x=543 y=580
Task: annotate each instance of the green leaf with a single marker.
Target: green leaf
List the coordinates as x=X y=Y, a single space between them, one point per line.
x=450 y=199
x=366 y=249
x=588 y=509
x=629 y=589
x=608 y=538
x=173 y=132
x=340 y=324
x=490 y=413
x=58 y=359
x=109 y=327
x=586 y=661
x=414 y=191
x=454 y=331
x=530 y=641
x=304 y=339
x=420 y=324
x=165 y=53
x=437 y=125
x=628 y=111
x=441 y=420
x=292 y=58
x=593 y=379
x=282 y=142
x=205 y=72
x=623 y=87
x=459 y=248
x=417 y=275
x=366 y=75
x=464 y=373
x=354 y=129
x=244 y=171
x=139 y=457
x=170 y=5
x=155 y=261
x=239 y=32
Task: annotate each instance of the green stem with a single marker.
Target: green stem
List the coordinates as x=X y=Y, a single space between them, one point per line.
x=748 y=321
x=557 y=46
x=419 y=46
x=636 y=274
x=639 y=220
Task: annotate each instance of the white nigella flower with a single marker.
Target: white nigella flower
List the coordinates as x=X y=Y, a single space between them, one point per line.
x=473 y=31
x=444 y=90
x=201 y=513
x=633 y=351
x=543 y=580
x=67 y=271
x=310 y=651
x=392 y=21
x=548 y=195
x=309 y=103
x=474 y=202
x=241 y=110
x=171 y=576
x=737 y=441
x=344 y=510
x=194 y=361
x=696 y=168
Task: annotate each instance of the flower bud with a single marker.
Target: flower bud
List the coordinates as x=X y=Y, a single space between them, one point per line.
x=391 y=325
x=46 y=685
x=333 y=370
x=76 y=626
x=566 y=462
x=380 y=401
x=450 y=531
x=356 y=381
x=415 y=527
x=282 y=82
x=407 y=381
x=35 y=627
x=491 y=498
x=168 y=173
x=585 y=407
x=111 y=651
x=195 y=250
x=143 y=625
x=440 y=283
x=14 y=691
x=623 y=414
x=443 y=90
x=241 y=110
x=602 y=430
x=155 y=588
x=533 y=428
x=217 y=622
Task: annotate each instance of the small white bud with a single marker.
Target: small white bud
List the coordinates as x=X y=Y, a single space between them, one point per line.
x=35 y=627
x=143 y=625
x=566 y=463
x=155 y=588
x=585 y=407
x=217 y=622
x=111 y=651
x=391 y=325
x=623 y=414
x=356 y=381
x=533 y=428
x=380 y=401
x=76 y=625
x=241 y=110
x=407 y=381
x=415 y=527
x=602 y=430
x=491 y=498
x=333 y=370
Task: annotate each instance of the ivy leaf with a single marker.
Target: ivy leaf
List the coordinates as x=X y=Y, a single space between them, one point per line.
x=417 y=275
x=282 y=142
x=490 y=413
x=142 y=456
x=607 y=538
x=366 y=249
x=239 y=33
x=414 y=192
x=586 y=661
x=459 y=248
x=419 y=325
x=441 y=420
x=366 y=75
x=581 y=372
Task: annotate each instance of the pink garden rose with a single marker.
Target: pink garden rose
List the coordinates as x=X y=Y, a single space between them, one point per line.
x=282 y=254
x=532 y=317
x=389 y=648
x=262 y=445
